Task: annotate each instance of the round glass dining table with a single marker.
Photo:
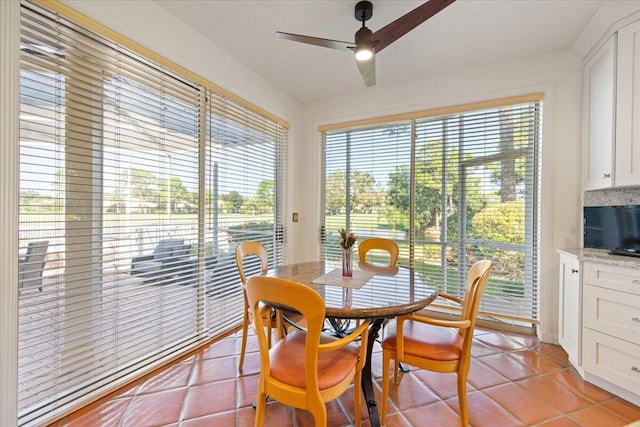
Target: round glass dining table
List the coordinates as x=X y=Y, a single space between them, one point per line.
x=375 y=293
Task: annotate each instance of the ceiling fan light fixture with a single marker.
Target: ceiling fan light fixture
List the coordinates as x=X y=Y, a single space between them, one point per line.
x=364 y=49
x=364 y=53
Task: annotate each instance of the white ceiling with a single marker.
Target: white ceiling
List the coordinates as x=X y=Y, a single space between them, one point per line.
x=467 y=34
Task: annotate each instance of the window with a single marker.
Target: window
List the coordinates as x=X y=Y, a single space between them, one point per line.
x=137 y=182
x=450 y=189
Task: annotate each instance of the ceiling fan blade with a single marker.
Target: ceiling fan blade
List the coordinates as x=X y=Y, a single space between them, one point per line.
x=333 y=44
x=368 y=71
x=401 y=26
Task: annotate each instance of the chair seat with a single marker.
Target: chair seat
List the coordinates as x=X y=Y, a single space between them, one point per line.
x=425 y=341
x=288 y=357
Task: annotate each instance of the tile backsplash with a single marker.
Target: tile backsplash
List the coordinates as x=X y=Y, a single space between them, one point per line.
x=612 y=197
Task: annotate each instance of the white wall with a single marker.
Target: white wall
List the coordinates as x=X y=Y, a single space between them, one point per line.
x=557 y=75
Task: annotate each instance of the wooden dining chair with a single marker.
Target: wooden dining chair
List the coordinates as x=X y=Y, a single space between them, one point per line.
x=378 y=243
x=305 y=369
x=437 y=345
x=245 y=250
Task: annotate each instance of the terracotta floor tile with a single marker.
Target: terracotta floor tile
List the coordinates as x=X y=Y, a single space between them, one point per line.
x=535 y=361
x=555 y=394
x=346 y=401
x=223 y=419
x=105 y=414
x=572 y=379
x=554 y=352
x=524 y=405
x=251 y=364
x=223 y=348
x=154 y=409
x=597 y=416
x=507 y=366
x=210 y=398
x=335 y=416
x=252 y=343
x=479 y=349
x=206 y=389
x=276 y=415
x=484 y=412
x=247 y=388
x=501 y=341
x=396 y=420
x=564 y=421
x=170 y=377
x=410 y=392
x=481 y=376
x=443 y=384
x=626 y=410
x=527 y=341
x=438 y=414
x=209 y=370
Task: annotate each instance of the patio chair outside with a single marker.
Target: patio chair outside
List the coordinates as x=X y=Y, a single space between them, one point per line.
x=170 y=258
x=32 y=265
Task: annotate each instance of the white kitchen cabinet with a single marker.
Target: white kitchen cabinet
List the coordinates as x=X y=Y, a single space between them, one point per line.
x=599 y=117
x=570 y=308
x=611 y=333
x=627 y=136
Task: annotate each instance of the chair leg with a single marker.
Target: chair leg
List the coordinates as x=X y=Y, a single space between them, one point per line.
x=279 y=325
x=357 y=397
x=319 y=413
x=243 y=347
x=462 y=400
x=261 y=402
x=386 y=359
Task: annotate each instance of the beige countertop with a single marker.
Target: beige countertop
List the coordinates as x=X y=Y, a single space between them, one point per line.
x=602 y=256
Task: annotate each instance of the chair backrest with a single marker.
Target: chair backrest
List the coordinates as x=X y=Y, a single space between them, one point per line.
x=32 y=266
x=300 y=298
x=477 y=279
x=245 y=249
x=387 y=245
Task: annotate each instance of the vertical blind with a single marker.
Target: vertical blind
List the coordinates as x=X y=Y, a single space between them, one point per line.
x=135 y=185
x=450 y=190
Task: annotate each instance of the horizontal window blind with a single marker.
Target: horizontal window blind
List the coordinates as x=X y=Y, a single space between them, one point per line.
x=365 y=162
x=456 y=188
x=135 y=185
x=246 y=167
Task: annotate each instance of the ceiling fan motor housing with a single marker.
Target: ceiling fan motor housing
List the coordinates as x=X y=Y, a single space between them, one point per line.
x=363 y=11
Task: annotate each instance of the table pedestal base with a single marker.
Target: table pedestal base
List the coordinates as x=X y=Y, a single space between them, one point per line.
x=367 y=379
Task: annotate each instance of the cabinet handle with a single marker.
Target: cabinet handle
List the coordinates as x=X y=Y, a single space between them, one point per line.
x=636 y=281
x=635 y=369
x=573 y=270
x=635 y=319
x=606 y=175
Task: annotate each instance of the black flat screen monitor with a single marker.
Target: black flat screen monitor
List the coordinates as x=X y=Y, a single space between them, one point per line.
x=612 y=227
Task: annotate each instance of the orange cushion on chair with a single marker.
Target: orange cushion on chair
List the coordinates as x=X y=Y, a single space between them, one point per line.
x=288 y=356
x=425 y=341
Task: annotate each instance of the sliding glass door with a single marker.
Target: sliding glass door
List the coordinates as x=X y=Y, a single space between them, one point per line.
x=450 y=189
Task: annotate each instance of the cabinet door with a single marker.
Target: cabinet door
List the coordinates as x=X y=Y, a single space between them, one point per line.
x=628 y=106
x=569 y=308
x=599 y=116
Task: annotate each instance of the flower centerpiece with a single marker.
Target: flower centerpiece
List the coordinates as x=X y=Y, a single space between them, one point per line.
x=347 y=240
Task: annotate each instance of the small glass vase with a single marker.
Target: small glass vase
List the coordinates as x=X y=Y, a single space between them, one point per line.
x=347 y=262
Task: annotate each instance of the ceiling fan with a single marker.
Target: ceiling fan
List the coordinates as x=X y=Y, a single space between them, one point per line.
x=368 y=43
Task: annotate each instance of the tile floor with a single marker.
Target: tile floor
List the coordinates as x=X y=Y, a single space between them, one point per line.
x=514 y=381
